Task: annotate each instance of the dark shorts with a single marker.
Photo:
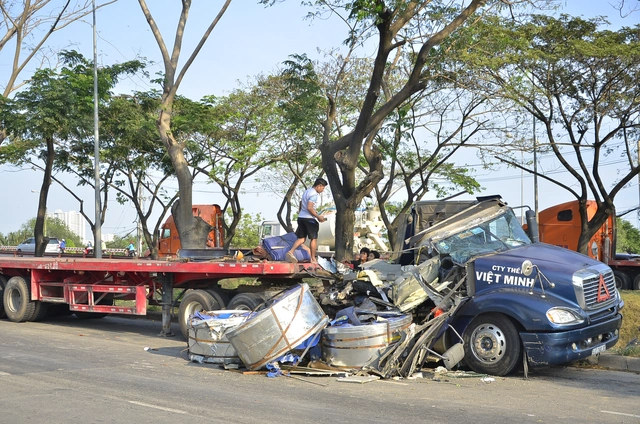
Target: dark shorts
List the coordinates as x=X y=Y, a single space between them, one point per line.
x=307 y=228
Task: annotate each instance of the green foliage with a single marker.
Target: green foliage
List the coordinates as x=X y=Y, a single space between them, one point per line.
x=629 y=330
x=304 y=102
x=122 y=242
x=54 y=228
x=247 y=231
x=627 y=237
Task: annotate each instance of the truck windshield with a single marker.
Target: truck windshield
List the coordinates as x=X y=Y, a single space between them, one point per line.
x=497 y=235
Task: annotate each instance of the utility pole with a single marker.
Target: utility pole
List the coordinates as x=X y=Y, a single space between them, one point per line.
x=535 y=169
x=97 y=234
x=141 y=203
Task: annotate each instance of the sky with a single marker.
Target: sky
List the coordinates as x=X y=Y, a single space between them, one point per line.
x=249 y=40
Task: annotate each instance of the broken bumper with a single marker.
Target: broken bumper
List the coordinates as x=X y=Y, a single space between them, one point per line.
x=568 y=346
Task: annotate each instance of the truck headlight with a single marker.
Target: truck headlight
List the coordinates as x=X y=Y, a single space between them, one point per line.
x=563 y=316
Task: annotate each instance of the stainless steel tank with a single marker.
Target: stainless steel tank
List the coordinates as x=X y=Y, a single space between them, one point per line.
x=294 y=316
x=357 y=346
x=208 y=339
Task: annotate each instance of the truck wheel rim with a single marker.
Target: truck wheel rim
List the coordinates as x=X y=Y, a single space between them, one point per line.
x=488 y=343
x=14 y=300
x=192 y=308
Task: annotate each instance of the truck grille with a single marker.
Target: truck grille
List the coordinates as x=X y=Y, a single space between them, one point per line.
x=590 y=292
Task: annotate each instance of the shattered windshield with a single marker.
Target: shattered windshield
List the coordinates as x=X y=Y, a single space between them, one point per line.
x=497 y=235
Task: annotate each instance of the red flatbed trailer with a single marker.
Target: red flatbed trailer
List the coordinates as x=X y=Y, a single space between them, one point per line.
x=89 y=285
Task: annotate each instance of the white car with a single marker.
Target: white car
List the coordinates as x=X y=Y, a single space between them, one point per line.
x=29 y=246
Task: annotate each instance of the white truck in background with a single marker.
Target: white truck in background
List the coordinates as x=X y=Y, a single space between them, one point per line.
x=366 y=233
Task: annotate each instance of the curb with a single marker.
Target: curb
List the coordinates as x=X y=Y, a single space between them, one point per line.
x=617 y=362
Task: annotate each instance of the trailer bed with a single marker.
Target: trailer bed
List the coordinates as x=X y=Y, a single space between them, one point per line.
x=90 y=284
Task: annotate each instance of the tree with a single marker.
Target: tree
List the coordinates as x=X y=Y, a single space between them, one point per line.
x=55 y=228
x=417 y=144
x=627 y=237
x=31 y=24
x=193 y=231
x=580 y=83
x=52 y=113
x=247 y=233
x=245 y=134
x=416 y=28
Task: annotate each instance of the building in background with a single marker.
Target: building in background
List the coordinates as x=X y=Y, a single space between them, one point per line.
x=74 y=220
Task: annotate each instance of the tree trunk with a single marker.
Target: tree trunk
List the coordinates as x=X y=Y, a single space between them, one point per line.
x=39 y=231
x=590 y=228
x=345 y=222
x=193 y=231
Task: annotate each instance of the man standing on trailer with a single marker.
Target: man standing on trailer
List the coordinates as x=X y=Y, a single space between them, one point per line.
x=308 y=220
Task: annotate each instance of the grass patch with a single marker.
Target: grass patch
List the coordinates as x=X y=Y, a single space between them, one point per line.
x=630 y=324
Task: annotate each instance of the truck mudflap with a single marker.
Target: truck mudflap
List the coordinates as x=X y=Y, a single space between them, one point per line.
x=545 y=349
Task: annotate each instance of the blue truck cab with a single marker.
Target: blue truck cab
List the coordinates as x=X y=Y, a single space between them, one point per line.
x=522 y=302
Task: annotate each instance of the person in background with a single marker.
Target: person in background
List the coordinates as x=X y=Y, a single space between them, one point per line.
x=374 y=254
x=308 y=221
x=361 y=258
x=131 y=249
x=103 y=246
x=63 y=245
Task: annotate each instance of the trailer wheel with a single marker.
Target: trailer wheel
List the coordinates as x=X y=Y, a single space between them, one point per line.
x=218 y=296
x=246 y=301
x=3 y=283
x=194 y=301
x=17 y=305
x=492 y=345
x=636 y=282
x=40 y=311
x=623 y=282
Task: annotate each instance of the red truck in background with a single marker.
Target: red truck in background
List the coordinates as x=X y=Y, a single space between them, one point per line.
x=560 y=225
x=169 y=240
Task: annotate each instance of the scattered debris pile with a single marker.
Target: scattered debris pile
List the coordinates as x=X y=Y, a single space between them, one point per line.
x=383 y=320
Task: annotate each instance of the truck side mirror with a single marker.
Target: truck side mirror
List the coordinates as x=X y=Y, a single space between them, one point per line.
x=532 y=226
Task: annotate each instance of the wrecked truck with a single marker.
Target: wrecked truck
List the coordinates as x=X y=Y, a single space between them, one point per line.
x=519 y=302
x=469 y=285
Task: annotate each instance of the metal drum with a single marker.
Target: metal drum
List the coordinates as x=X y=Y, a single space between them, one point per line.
x=357 y=346
x=294 y=316
x=208 y=341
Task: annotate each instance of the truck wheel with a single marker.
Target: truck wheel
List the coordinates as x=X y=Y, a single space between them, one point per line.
x=623 y=282
x=40 y=311
x=17 y=305
x=220 y=297
x=492 y=345
x=3 y=283
x=194 y=301
x=636 y=282
x=246 y=301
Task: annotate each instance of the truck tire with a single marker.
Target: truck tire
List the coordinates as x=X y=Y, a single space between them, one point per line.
x=246 y=301
x=492 y=345
x=623 y=282
x=17 y=303
x=3 y=283
x=220 y=297
x=194 y=301
x=636 y=282
x=40 y=311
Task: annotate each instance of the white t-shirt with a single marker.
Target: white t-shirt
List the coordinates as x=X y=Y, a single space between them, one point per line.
x=310 y=195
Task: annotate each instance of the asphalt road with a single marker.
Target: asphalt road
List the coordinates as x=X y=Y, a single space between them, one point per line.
x=66 y=370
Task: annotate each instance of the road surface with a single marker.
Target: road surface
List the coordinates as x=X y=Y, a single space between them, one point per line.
x=66 y=370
